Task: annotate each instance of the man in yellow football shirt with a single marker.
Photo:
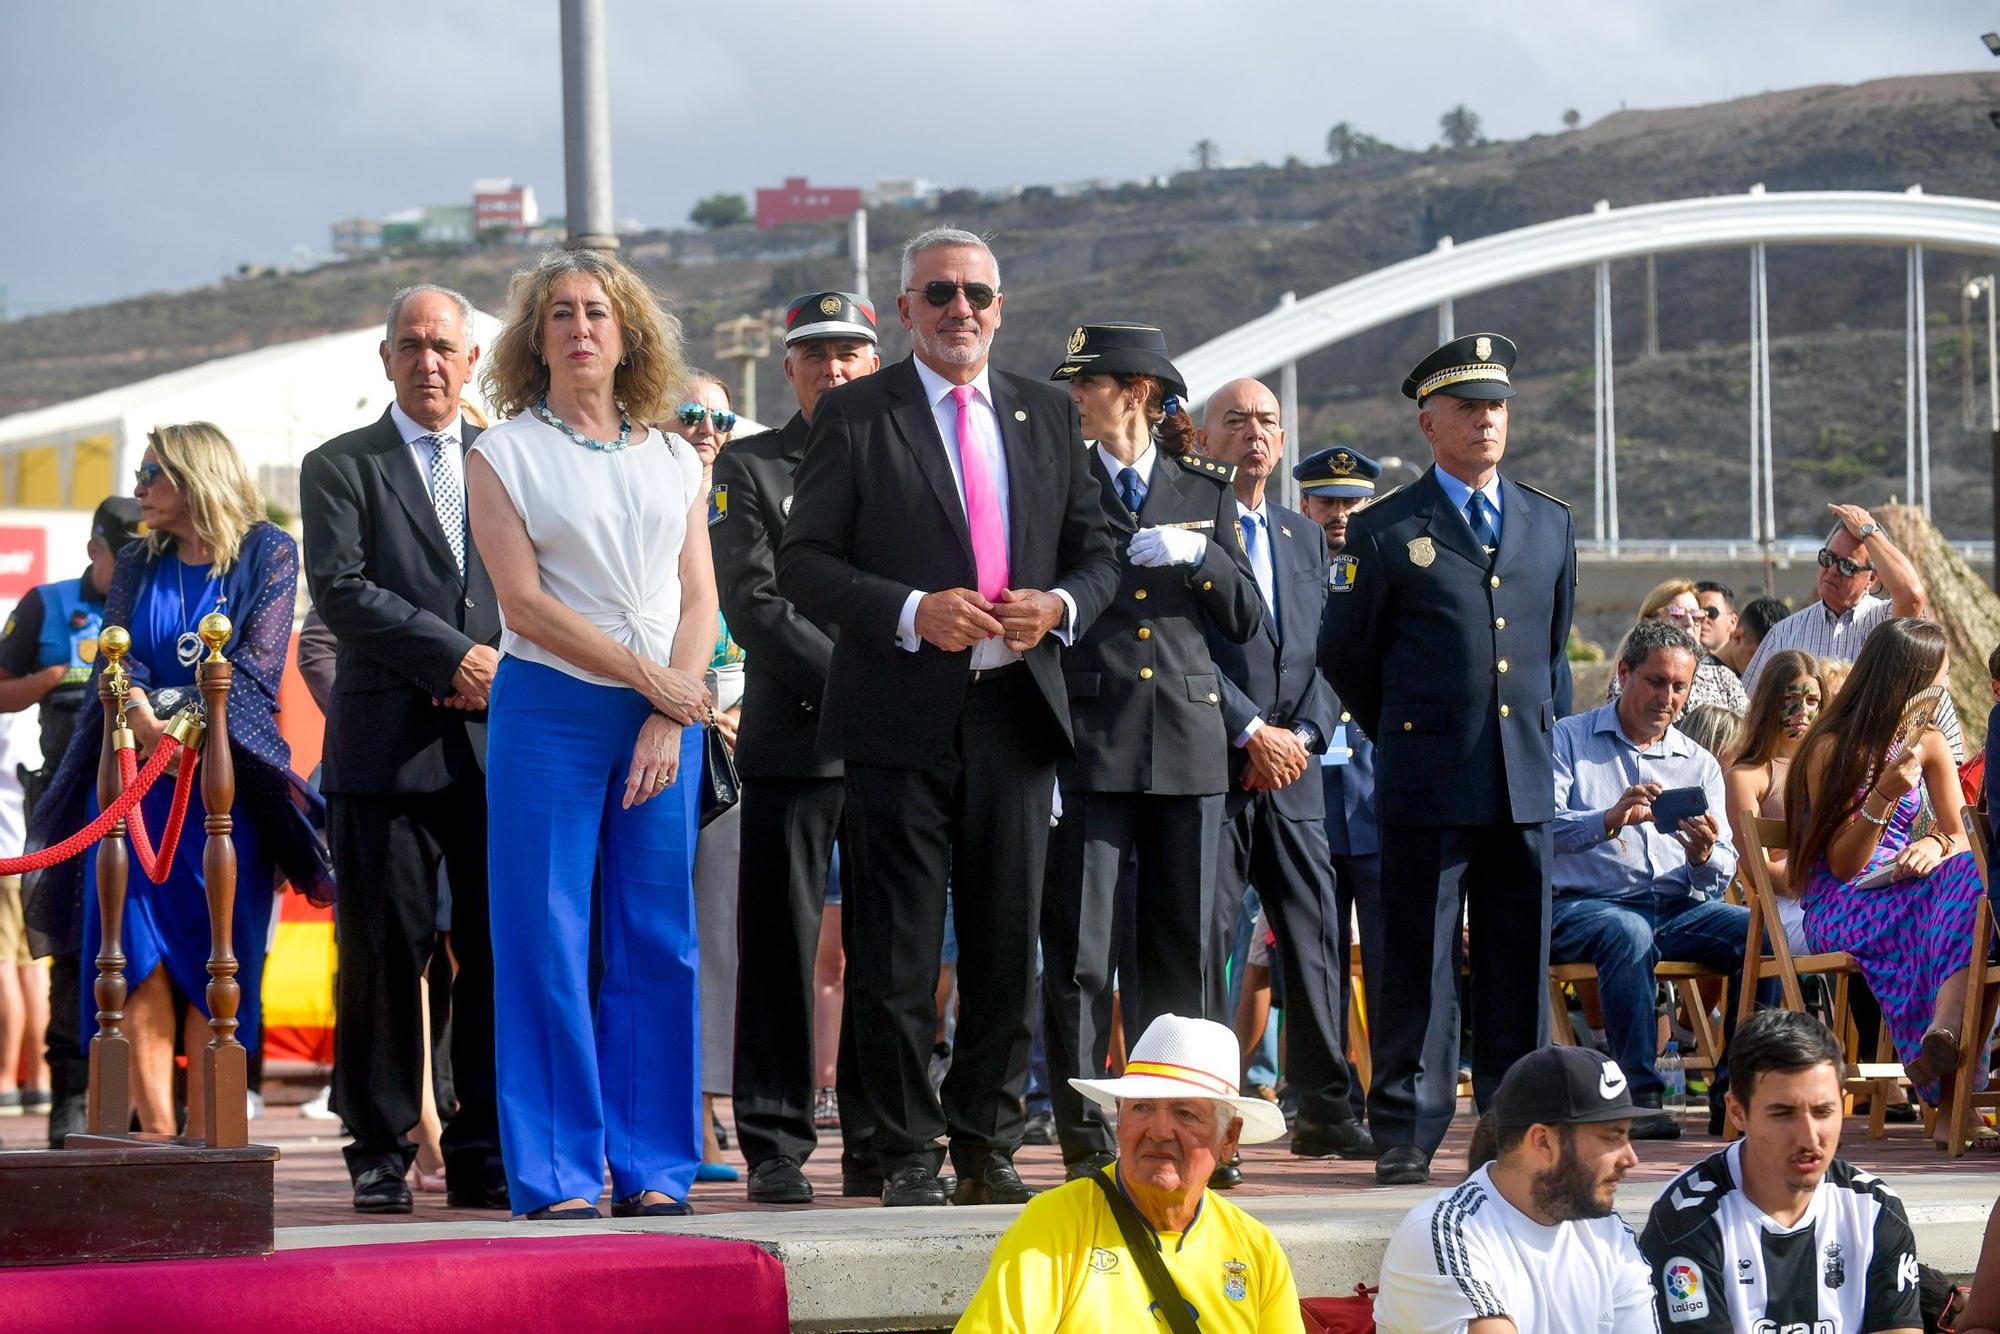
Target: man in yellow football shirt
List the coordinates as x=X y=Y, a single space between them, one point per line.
x=1068 y=1263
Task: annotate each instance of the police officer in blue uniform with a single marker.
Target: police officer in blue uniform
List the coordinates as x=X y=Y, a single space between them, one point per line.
x=1333 y=484
x=1446 y=621
x=46 y=653
x=1151 y=763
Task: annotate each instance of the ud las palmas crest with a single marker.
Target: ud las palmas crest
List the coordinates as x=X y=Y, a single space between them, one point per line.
x=1422 y=552
x=1234 y=1285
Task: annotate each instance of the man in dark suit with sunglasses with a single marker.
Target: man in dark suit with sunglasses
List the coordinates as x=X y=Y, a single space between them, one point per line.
x=395 y=576
x=792 y=789
x=946 y=521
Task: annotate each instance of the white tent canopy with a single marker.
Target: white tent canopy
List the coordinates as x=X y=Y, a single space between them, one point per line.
x=277 y=404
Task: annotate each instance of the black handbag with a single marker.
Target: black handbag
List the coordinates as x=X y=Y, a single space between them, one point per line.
x=720 y=787
x=1173 y=1307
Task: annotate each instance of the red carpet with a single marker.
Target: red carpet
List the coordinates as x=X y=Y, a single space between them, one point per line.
x=623 y=1281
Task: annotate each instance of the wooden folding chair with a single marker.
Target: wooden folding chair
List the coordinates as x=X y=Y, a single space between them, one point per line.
x=1682 y=979
x=1767 y=930
x=1359 y=1053
x=1982 y=997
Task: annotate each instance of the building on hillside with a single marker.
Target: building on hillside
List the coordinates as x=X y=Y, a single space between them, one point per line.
x=356 y=236
x=438 y=225
x=502 y=204
x=901 y=190
x=797 y=201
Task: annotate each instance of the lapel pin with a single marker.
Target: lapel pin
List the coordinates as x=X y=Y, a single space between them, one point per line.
x=1284 y=531
x=1019 y=415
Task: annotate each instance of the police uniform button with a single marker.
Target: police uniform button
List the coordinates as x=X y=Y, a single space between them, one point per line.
x=1346 y=717
x=1499 y=622
x=1494 y=581
x=1501 y=666
x=1503 y=710
x=1409 y=727
x=469 y=602
x=1208 y=585
x=1145 y=673
x=1140 y=594
x=1213 y=697
x=1145 y=633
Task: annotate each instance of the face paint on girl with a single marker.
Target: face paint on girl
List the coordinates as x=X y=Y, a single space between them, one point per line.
x=1801 y=707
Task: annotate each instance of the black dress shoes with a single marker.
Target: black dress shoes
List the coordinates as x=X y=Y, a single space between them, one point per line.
x=635 y=1206
x=1337 y=1139
x=1088 y=1166
x=911 y=1186
x=1227 y=1176
x=995 y=1183
x=485 y=1189
x=780 y=1181
x=381 y=1190
x=868 y=1185
x=1403 y=1165
x=550 y=1213
x=1655 y=1125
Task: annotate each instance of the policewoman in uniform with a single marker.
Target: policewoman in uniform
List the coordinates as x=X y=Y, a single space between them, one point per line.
x=792 y=795
x=1333 y=484
x=1151 y=760
x=1445 y=625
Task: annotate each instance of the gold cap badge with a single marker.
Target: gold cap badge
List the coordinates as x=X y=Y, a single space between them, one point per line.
x=1422 y=552
x=1482 y=348
x=1076 y=341
x=1343 y=463
x=830 y=305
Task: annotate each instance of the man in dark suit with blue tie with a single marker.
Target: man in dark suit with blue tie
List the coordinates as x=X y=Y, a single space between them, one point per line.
x=1278 y=714
x=1333 y=484
x=1445 y=635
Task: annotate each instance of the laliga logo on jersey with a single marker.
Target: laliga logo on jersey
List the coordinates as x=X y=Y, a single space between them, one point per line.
x=1685 y=1299
x=1794 y=1327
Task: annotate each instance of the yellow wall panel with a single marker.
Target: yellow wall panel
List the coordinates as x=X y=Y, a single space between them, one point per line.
x=41 y=484
x=90 y=472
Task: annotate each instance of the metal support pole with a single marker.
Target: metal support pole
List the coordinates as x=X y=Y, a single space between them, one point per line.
x=1597 y=405
x=1447 y=322
x=1288 y=410
x=857 y=249
x=1923 y=385
x=1652 y=308
x=587 y=126
x=1756 y=397
x=1610 y=414
x=1910 y=375
x=1764 y=412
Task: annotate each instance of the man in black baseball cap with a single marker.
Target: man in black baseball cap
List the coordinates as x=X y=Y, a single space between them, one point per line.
x=1530 y=1237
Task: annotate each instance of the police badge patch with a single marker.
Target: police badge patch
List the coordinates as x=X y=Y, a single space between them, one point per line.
x=1340 y=576
x=1422 y=552
x=718 y=505
x=1234 y=1285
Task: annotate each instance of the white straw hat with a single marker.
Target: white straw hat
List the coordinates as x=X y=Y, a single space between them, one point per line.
x=1178 y=1057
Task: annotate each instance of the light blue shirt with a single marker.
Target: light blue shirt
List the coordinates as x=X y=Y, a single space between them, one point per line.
x=1460 y=493
x=1595 y=762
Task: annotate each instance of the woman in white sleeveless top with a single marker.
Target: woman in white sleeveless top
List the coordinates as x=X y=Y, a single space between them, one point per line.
x=592 y=526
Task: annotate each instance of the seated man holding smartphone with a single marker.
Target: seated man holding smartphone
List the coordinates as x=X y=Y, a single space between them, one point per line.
x=1641 y=853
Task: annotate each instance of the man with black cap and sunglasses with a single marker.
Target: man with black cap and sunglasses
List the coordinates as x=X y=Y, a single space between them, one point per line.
x=1151 y=763
x=1530 y=1243
x=1444 y=634
x=946 y=520
x=792 y=796
x=1856 y=556
x=46 y=653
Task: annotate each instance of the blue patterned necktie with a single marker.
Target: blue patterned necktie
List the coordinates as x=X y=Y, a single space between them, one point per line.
x=1478 y=514
x=1130 y=491
x=448 y=494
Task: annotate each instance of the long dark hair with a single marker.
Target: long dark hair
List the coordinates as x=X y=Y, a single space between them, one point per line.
x=1900 y=657
x=1173 y=430
x=1764 y=724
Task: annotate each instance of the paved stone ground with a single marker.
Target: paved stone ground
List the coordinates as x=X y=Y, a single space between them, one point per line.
x=312 y=1187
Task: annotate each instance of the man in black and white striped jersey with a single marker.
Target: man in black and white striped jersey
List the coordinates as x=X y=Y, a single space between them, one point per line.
x=1857 y=555
x=1775 y=1232
x=1528 y=1244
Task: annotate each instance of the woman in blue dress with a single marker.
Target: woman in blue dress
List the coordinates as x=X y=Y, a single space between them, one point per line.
x=209 y=549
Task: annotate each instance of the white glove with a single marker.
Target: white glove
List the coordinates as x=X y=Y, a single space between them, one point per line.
x=1167 y=546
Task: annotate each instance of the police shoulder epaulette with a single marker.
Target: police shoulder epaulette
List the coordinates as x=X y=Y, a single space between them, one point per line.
x=1207 y=467
x=1543 y=494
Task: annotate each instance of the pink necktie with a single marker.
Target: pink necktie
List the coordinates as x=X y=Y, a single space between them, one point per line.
x=982 y=498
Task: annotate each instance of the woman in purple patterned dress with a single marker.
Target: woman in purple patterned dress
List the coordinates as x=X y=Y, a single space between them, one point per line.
x=1861 y=799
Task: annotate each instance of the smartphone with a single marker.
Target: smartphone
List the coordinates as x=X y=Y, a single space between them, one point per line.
x=1677 y=804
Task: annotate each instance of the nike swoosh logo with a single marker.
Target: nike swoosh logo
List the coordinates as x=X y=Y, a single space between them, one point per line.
x=1609 y=1087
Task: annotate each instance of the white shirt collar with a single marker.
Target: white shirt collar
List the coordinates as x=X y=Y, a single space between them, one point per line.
x=1260 y=512
x=412 y=432
x=1143 y=465
x=1460 y=492
x=937 y=388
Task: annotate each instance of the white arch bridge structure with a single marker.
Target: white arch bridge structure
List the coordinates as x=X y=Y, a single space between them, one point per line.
x=1912 y=219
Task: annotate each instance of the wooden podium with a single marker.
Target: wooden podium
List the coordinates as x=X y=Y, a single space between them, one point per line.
x=112 y=1194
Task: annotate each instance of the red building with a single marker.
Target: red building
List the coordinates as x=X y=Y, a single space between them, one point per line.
x=796 y=201
x=503 y=204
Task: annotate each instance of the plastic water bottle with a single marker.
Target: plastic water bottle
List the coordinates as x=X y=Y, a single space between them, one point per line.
x=1673 y=1077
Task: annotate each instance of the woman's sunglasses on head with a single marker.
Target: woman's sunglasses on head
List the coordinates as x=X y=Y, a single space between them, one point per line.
x=940 y=293
x=692 y=413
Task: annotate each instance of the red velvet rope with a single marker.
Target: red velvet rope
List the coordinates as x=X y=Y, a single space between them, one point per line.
x=96 y=829
x=158 y=865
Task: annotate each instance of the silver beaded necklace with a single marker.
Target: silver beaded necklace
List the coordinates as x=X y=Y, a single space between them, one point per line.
x=588 y=442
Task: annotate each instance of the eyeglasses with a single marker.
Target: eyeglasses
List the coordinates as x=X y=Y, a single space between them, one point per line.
x=941 y=293
x=1848 y=568
x=692 y=413
x=148 y=473
x=1678 y=613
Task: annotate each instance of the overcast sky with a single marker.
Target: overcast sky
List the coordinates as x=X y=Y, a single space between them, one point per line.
x=147 y=145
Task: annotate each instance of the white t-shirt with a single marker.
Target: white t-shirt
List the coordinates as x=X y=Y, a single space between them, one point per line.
x=1467 y=1254
x=607 y=528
